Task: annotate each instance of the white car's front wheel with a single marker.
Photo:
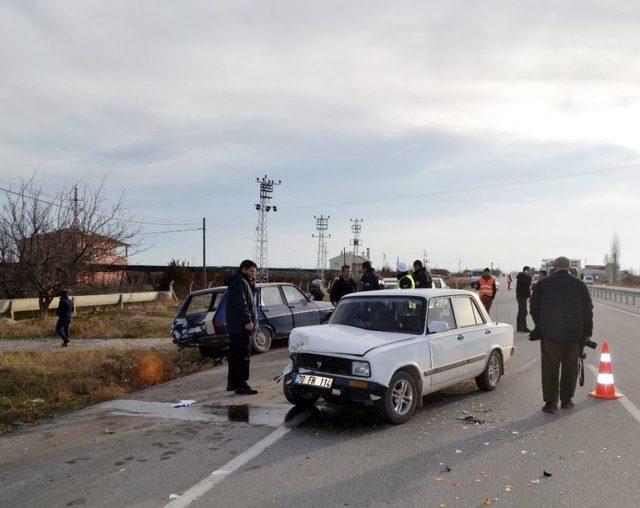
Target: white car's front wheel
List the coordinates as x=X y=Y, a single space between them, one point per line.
x=400 y=400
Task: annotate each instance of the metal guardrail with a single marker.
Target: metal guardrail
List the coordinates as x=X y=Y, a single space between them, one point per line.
x=625 y=296
x=11 y=307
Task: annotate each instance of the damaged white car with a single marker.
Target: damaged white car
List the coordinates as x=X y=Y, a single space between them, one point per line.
x=391 y=347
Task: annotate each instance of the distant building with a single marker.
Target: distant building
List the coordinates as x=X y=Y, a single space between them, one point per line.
x=335 y=263
x=576 y=263
x=596 y=271
x=109 y=260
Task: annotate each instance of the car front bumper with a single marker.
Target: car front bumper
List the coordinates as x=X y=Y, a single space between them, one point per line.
x=343 y=388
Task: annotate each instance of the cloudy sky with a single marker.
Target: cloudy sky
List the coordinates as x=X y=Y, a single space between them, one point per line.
x=477 y=131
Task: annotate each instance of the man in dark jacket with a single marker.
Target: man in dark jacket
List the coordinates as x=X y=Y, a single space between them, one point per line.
x=64 y=313
x=242 y=321
x=562 y=310
x=421 y=276
x=343 y=285
x=369 y=280
x=523 y=293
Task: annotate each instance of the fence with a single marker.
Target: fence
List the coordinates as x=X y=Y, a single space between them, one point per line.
x=12 y=307
x=626 y=296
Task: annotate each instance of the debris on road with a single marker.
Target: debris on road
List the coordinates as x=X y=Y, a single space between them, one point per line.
x=486 y=501
x=183 y=403
x=546 y=474
x=507 y=488
x=173 y=496
x=471 y=419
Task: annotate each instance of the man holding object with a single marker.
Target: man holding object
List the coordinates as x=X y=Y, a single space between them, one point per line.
x=562 y=310
x=242 y=321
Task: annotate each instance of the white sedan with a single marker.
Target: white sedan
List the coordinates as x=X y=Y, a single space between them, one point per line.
x=390 y=348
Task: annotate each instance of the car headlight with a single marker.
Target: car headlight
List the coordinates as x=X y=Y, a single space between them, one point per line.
x=361 y=369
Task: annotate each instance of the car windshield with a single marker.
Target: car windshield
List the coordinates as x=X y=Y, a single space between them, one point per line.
x=383 y=314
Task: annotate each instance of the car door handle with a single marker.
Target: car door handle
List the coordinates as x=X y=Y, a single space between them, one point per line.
x=266 y=310
x=460 y=337
x=292 y=306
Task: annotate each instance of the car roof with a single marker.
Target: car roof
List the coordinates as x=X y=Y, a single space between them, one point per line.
x=224 y=288
x=424 y=293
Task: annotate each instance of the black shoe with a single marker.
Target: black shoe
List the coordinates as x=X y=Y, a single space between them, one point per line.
x=65 y=344
x=230 y=388
x=525 y=330
x=246 y=390
x=567 y=404
x=550 y=407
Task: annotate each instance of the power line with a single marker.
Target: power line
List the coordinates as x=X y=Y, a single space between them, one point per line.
x=458 y=190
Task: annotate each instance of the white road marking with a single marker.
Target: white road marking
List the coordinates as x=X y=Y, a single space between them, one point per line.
x=619 y=310
x=202 y=487
x=626 y=403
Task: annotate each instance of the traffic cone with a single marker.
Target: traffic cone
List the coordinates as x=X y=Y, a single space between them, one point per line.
x=605 y=387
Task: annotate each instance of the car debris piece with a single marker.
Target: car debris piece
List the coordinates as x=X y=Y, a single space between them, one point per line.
x=546 y=474
x=471 y=419
x=183 y=403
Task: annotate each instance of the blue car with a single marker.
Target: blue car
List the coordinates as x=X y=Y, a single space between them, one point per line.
x=201 y=320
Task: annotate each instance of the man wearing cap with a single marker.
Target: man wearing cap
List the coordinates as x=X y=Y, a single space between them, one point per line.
x=486 y=288
x=562 y=311
x=405 y=279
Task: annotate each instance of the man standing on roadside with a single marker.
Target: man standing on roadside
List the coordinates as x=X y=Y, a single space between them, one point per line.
x=523 y=293
x=421 y=276
x=486 y=287
x=369 y=280
x=64 y=313
x=343 y=285
x=242 y=321
x=562 y=310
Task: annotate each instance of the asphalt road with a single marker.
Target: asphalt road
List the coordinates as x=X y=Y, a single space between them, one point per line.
x=238 y=451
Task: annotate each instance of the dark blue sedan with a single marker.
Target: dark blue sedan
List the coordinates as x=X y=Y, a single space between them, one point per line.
x=201 y=321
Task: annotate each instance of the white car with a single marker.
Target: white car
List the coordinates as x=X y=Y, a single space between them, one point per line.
x=588 y=280
x=439 y=283
x=389 y=348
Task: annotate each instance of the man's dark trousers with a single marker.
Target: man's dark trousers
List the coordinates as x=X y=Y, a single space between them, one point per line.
x=555 y=355
x=239 y=359
x=62 y=329
x=522 y=313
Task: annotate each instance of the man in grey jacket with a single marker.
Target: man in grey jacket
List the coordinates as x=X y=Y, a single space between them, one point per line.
x=242 y=321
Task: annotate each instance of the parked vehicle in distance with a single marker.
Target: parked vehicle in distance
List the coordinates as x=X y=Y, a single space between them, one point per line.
x=439 y=283
x=201 y=320
x=475 y=277
x=588 y=280
x=390 y=348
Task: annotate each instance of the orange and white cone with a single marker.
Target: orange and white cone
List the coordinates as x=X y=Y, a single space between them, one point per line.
x=605 y=387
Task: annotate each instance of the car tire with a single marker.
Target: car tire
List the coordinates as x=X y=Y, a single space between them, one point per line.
x=400 y=400
x=490 y=378
x=261 y=340
x=298 y=397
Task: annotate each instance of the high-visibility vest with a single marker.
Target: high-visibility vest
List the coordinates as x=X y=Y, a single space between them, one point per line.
x=409 y=278
x=485 y=287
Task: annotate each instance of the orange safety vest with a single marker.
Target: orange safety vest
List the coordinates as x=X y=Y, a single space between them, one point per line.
x=485 y=287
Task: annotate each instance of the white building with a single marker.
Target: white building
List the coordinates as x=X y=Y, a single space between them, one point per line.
x=335 y=263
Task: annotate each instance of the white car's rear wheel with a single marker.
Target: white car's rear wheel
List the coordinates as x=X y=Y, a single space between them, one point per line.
x=490 y=378
x=400 y=400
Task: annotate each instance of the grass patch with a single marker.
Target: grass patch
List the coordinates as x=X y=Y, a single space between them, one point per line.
x=38 y=385
x=134 y=322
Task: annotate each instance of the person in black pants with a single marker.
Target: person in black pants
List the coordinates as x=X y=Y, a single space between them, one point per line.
x=523 y=293
x=242 y=321
x=64 y=313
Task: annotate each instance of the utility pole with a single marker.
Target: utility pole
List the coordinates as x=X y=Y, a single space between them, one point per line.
x=356 y=229
x=204 y=252
x=459 y=273
x=76 y=207
x=262 y=241
x=322 y=226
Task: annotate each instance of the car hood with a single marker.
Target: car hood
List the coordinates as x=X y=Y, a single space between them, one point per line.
x=341 y=339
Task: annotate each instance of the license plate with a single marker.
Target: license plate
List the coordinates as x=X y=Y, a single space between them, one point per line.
x=321 y=382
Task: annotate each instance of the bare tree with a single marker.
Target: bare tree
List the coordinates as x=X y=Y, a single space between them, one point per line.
x=52 y=243
x=612 y=259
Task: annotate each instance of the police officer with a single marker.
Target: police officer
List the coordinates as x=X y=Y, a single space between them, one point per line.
x=486 y=287
x=405 y=279
x=562 y=310
x=421 y=276
x=242 y=321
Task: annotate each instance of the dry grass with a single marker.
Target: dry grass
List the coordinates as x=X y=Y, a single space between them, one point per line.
x=38 y=385
x=135 y=322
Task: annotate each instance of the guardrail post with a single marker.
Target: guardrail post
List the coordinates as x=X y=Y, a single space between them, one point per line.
x=75 y=311
x=11 y=309
x=121 y=301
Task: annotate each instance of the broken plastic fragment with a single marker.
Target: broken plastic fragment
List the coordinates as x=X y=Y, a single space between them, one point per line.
x=486 y=501
x=535 y=481
x=173 y=496
x=183 y=403
x=545 y=473
x=458 y=451
x=507 y=488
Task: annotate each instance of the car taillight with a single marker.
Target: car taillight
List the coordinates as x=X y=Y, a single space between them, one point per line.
x=217 y=326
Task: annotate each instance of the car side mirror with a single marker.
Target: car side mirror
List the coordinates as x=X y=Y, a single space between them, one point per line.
x=438 y=327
